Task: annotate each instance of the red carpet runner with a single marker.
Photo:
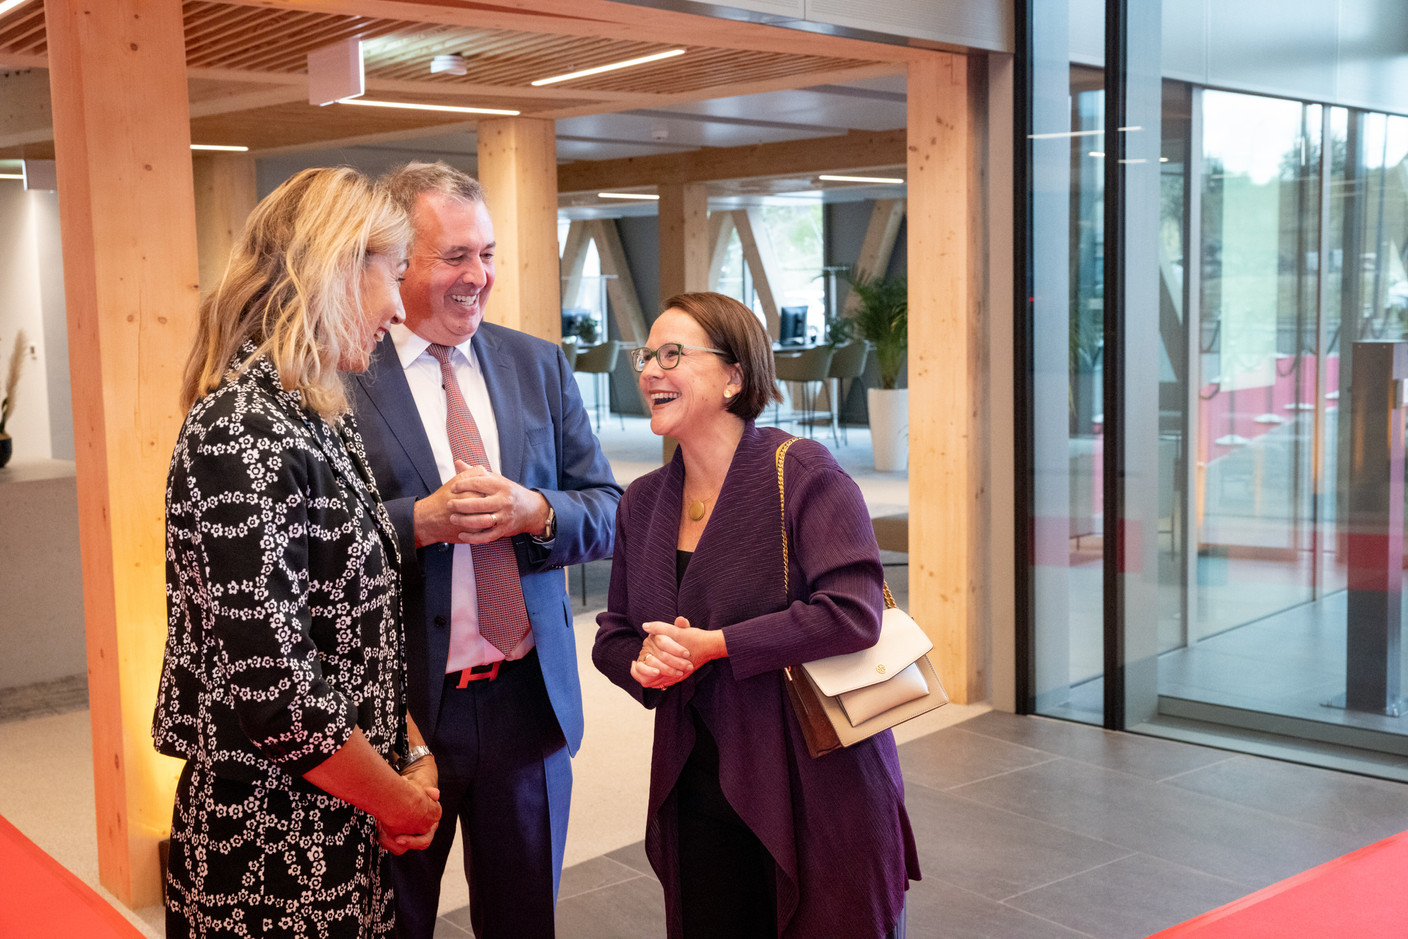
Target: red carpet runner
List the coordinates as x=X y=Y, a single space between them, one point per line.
x=42 y=898
x=1358 y=896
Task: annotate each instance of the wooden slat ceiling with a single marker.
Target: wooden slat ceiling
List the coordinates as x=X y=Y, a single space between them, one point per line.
x=248 y=64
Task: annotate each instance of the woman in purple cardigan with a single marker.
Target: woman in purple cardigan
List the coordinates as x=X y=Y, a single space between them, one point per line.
x=749 y=835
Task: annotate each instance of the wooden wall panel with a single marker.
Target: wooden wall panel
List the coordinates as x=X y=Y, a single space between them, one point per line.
x=117 y=71
x=226 y=192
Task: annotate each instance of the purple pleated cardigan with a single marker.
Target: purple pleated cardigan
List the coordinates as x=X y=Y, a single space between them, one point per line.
x=836 y=826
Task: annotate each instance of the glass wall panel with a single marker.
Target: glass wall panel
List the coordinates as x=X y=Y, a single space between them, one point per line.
x=1270 y=187
x=1282 y=238
x=1260 y=213
x=1067 y=143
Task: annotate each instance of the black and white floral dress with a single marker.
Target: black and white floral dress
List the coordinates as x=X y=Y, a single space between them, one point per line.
x=284 y=635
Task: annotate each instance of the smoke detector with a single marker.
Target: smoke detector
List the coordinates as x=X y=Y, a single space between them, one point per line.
x=659 y=132
x=451 y=64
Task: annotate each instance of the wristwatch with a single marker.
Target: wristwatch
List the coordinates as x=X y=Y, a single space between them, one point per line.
x=414 y=754
x=550 y=529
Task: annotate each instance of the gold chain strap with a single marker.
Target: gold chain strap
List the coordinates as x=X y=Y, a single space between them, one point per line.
x=782 y=499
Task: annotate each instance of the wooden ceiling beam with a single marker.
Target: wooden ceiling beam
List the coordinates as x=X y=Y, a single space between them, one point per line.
x=231 y=104
x=25 y=115
x=854 y=150
x=18 y=60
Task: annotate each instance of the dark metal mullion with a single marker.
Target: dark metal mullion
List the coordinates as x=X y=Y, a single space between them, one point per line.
x=1116 y=94
x=1022 y=309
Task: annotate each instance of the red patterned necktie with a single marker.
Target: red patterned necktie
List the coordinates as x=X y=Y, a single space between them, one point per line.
x=503 y=618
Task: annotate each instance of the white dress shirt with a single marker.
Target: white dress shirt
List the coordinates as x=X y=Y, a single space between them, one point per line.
x=467 y=647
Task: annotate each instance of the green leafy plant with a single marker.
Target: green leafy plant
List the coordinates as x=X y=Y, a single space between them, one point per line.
x=839 y=330
x=587 y=330
x=882 y=318
x=12 y=378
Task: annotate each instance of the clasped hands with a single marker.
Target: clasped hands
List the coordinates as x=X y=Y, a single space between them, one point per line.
x=476 y=507
x=672 y=651
x=414 y=831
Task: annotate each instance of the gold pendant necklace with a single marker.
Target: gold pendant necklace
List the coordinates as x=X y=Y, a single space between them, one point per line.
x=695 y=509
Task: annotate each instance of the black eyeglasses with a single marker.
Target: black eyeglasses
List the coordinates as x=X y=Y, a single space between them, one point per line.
x=668 y=355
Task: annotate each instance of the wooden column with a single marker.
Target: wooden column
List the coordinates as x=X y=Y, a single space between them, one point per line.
x=518 y=167
x=720 y=233
x=226 y=192
x=121 y=137
x=626 y=309
x=573 y=262
x=879 y=244
x=684 y=238
x=762 y=261
x=943 y=369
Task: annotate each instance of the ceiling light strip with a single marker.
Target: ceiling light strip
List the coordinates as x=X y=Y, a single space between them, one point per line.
x=228 y=148
x=6 y=7
x=453 y=109
x=628 y=63
x=626 y=195
x=886 y=180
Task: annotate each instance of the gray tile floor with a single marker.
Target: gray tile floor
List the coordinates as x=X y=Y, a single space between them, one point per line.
x=1033 y=827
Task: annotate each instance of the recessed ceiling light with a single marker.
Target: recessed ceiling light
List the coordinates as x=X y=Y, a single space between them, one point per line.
x=10 y=175
x=626 y=195
x=609 y=68
x=886 y=180
x=218 y=146
x=454 y=109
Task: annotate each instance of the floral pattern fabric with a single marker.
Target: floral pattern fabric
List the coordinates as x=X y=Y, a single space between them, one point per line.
x=283 y=636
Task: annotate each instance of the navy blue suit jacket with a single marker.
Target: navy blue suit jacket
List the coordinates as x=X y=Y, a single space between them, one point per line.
x=546 y=443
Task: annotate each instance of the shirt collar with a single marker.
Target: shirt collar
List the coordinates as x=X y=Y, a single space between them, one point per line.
x=410 y=346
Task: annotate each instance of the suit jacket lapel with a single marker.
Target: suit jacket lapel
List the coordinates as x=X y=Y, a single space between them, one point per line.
x=385 y=385
x=501 y=381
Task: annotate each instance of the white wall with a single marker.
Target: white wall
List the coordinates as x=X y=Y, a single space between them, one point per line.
x=22 y=307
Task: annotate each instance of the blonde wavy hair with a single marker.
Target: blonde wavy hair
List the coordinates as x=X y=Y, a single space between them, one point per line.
x=292 y=286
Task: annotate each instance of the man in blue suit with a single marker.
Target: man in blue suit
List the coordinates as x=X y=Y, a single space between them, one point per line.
x=486 y=460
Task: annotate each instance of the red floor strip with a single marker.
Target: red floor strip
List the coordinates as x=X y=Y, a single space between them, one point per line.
x=1358 y=896
x=40 y=897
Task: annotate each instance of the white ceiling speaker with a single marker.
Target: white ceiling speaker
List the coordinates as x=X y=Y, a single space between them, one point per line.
x=450 y=64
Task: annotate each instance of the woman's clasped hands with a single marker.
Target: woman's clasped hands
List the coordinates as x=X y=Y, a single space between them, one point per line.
x=672 y=651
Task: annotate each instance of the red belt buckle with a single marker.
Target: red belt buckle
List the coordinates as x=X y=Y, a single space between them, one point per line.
x=480 y=673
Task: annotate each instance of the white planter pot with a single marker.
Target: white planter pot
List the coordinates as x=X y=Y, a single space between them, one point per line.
x=889 y=427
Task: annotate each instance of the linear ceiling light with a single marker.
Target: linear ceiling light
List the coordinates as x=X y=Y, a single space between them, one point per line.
x=10 y=175
x=608 y=68
x=887 y=180
x=626 y=195
x=454 y=109
x=6 y=7
x=219 y=146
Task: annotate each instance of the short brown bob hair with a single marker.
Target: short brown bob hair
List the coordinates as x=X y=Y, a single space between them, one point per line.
x=735 y=330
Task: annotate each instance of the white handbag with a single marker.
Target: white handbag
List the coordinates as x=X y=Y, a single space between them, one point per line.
x=843 y=699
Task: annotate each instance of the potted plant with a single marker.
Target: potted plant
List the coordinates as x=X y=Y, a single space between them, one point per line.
x=882 y=319
x=587 y=331
x=7 y=400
